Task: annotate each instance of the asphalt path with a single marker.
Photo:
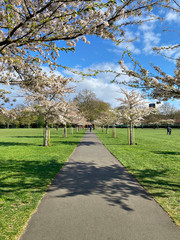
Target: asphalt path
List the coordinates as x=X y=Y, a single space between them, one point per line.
x=93 y=197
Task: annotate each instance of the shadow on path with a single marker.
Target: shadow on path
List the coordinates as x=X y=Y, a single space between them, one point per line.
x=113 y=183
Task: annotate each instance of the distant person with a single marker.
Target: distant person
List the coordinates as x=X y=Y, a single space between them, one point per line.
x=168 y=130
x=90 y=128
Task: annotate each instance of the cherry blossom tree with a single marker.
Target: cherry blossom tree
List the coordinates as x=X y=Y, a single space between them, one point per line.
x=156 y=82
x=132 y=110
x=48 y=97
x=167 y=121
x=36 y=32
x=74 y=117
x=107 y=118
x=25 y=116
x=161 y=85
x=9 y=116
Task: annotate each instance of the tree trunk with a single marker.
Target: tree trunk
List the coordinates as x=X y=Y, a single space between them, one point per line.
x=131 y=134
x=102 y=128
x=46 y=136
x=114 y=132
x=71 y=130
x=65 y=132
x=49 y=137
x=77 y=129
x=107 y=129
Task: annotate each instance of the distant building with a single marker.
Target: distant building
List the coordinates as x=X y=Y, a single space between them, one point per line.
x=152 y=105
x=155 y=105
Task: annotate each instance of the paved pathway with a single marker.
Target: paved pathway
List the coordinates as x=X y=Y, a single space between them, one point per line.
x=94 y=198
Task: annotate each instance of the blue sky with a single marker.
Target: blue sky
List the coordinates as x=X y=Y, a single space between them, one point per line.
x=104 y=55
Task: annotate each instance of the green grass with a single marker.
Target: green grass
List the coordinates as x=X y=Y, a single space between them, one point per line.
x=26 y=170
x=154 y=161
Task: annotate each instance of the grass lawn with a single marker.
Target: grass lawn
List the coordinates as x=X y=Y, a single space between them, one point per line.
x=26 y=169
x=154 y=161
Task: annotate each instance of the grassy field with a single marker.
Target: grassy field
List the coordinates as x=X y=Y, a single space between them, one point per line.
x=155 y=162
x=26 y=169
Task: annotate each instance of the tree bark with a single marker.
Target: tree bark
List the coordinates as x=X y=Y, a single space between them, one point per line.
x=107 y=129
x=102 y=128
x=46 y=136
x=65 y=132
x=49 y=137
x=131 y=134
x=114 y=132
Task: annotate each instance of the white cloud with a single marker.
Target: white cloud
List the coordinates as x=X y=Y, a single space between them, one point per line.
x=171 y=53
x=144 y=36
x=172 y=17
x=149 y=37
x=101 y=84
x=147 y=26
x=107 y=92
x=131 y=39
x=151 y=40
x=126 y=45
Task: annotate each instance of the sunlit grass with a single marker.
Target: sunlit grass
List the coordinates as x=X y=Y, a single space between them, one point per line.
x=26 y=170
x=154 y=160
